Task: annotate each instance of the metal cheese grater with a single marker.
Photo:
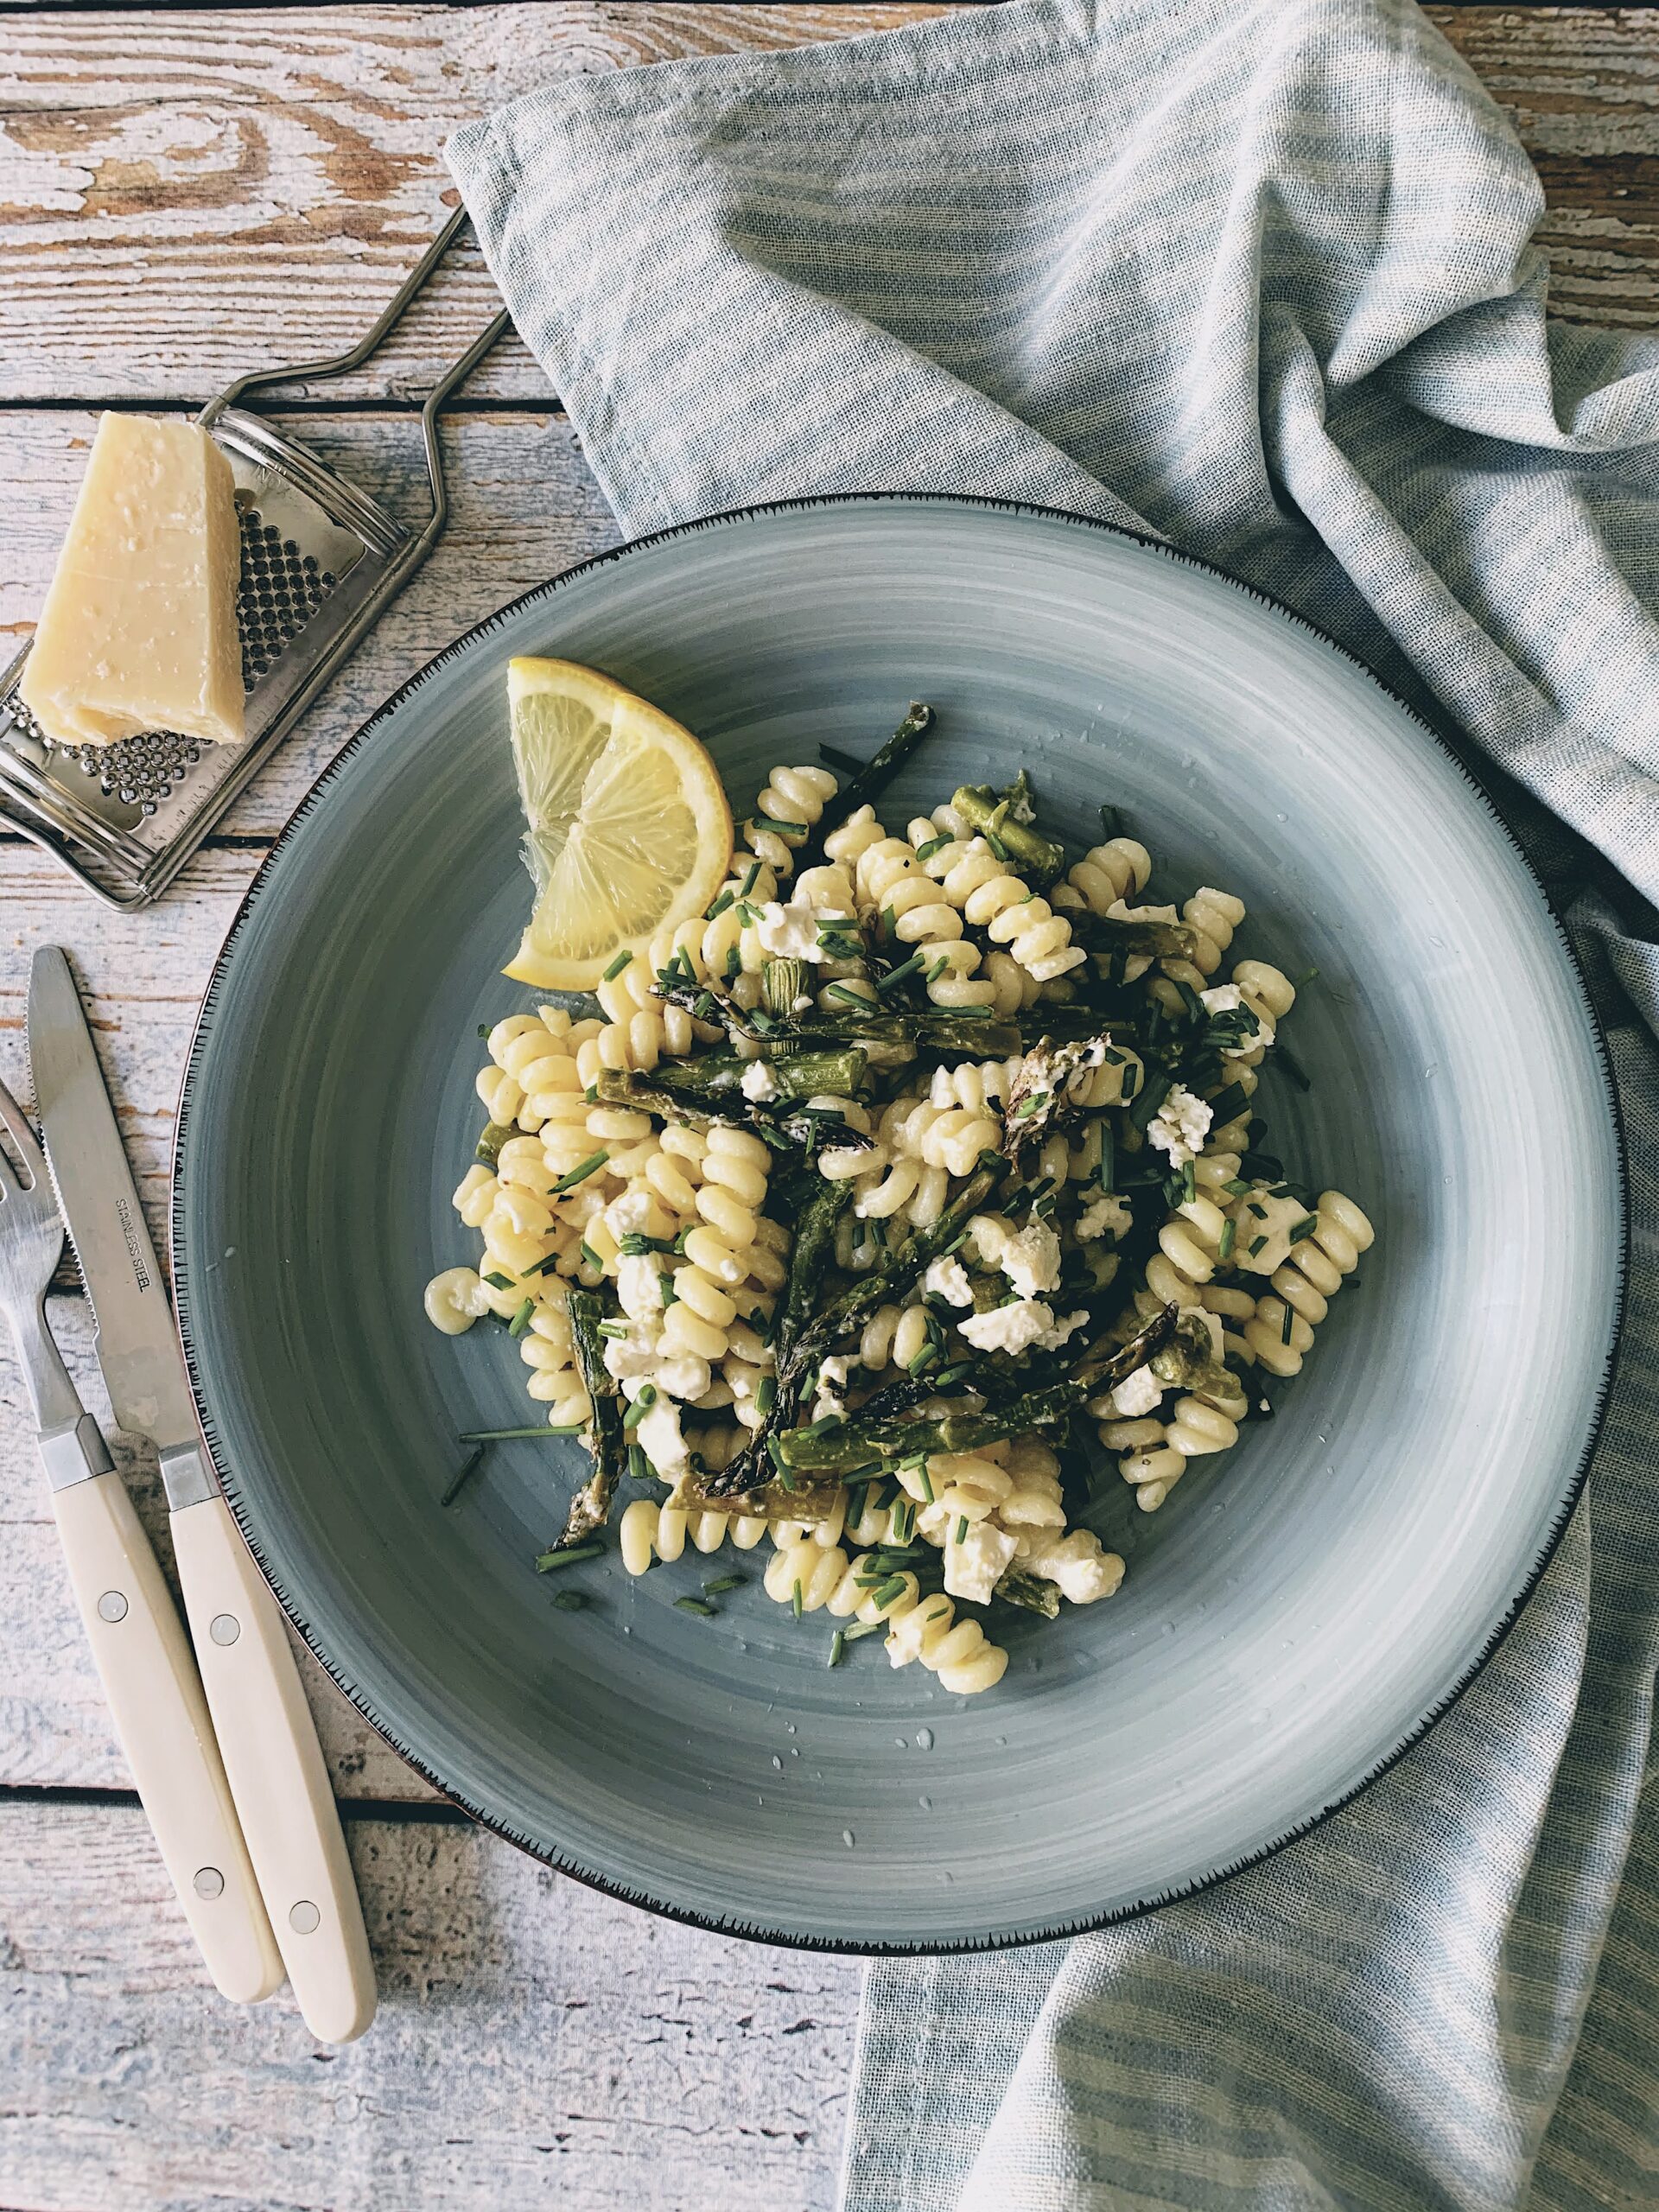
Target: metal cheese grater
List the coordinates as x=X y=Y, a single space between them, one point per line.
x=319 y=561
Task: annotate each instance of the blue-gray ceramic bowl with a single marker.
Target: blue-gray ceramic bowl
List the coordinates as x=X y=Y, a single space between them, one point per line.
x=1296 y=1613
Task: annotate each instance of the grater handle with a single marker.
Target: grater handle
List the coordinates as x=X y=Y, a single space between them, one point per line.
x=341 y=365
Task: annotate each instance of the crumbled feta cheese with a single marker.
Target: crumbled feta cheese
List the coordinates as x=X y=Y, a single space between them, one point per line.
x=1014 y=1327
x=634 y=1354
x=1180 y=1125
x=758 y=1082
x=947 y=1279
x=659 y=1437
x=1057 y=1331
x=1109 y=1216
x=639 y=1285
x=973 y=1566
x=1020 y=809
x=1137 y=1393
x=629 y=1213
x=789 y=932
x=1083 y=1572
x=935 y=1522
x=455 y=1299
x=831 y=1394
x=1227 y=998
x=1031 y=1260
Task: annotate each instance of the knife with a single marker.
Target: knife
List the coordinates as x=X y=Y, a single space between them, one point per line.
x=266 y=1736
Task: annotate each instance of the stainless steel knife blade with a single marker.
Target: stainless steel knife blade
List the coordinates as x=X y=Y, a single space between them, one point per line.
x=137 y=1343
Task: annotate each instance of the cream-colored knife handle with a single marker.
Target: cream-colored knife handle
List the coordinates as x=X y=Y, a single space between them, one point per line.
x=277 y=1771
x=154 y=1695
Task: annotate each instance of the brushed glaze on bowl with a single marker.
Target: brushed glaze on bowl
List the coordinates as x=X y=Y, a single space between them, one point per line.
x=1297 y=1610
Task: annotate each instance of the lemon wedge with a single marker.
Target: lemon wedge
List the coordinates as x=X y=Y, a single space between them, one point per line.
x=626 y=831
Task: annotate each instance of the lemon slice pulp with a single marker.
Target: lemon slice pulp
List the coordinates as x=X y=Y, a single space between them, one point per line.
x=628 y=830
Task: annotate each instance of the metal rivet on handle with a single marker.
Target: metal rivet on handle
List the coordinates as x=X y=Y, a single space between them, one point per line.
x=209 y=1882
x=112 y=1606
x=304 y=1918
x=225 y=1628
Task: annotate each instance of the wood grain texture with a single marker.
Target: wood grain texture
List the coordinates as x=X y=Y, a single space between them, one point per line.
x=185 y=196
x=537 y=2045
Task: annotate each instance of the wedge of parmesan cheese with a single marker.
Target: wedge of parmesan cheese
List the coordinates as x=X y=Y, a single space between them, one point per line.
x=138 y=631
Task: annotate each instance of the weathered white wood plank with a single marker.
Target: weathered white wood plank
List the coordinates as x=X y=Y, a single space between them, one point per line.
x=55 y=1728
x=190 y=194
x=523 y=507
x=172 y=176
x=537 y=2045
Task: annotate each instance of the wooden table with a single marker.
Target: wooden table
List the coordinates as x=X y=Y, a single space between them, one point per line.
x=186 y=196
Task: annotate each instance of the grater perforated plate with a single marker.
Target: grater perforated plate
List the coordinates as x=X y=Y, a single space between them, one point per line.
x=319 y=560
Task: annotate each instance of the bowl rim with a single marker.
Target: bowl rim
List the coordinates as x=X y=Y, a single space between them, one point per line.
x=734 y=1925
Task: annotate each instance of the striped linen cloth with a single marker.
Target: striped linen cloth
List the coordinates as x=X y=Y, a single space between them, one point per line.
x=1257 y=274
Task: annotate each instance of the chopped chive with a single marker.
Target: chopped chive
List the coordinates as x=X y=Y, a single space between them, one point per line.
x=591 y=1166
x=1228 y=1103
x=897 y=974
x=617 y=966
x=1034 y=1104
x=775 y=1451
x=1234 y=1188
x=568 y=1556
x=1304 y=1228
x=498 y=1281
x=889 y=924
x=720 y=906
x=960 y=1529
x=996 y=845
x=783 y=829
x=795 y=1597
x=696 y=1606
x=483 y=1028
x=1257 y=1242
x=937 y=969
x=734 y=962
x=704 y=1007
x=469 y=1467
x=635 y=1413
x=750 y=880
x=1189 y=1183
x=569 y=1601
x=858 y=1629
x=1229 y=1238
x=837 y=1645
x=546 y=1428
x=1107 y=1168
x=592 y=1094
x=520 y=1320
x=639 y=1466
x=1132 y=1073
x=925 y=1358
x=1305 y=978
x=614 y=1329
x=886 y=1592
x=923 y=853
x=590 y=1255
x=1290 y=1323
x=840 y=991
x=721 y=1584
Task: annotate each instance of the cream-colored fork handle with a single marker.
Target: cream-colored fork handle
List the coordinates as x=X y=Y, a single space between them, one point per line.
x=278 y=1776
x=161 y=1717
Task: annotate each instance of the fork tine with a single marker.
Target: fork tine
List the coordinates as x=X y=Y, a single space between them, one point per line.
x=23 y=1137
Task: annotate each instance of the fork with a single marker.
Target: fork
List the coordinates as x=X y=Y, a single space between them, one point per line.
x=144 y=1659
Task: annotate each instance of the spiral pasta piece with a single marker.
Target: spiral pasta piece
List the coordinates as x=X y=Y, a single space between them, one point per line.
x=991 y=898
x=957 y=1651
x=1282 y=1332
x=649 y=1531
x=1106 y=875
x=806 y=1575
x=893 y=1335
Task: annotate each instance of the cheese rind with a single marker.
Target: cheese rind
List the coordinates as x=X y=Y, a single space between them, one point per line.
x=138 y=631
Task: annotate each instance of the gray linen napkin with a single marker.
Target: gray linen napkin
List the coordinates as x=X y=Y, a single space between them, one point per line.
x=1257 y=274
